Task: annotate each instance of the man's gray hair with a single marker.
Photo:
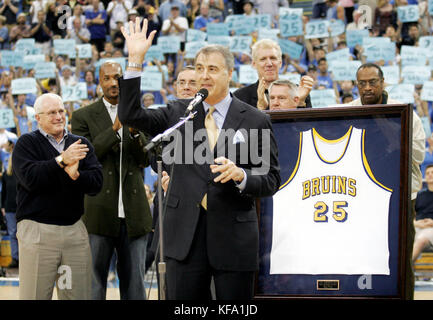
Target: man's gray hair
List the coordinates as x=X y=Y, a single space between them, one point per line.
x=266 y=44
x=224 y=51
x=40 y=101
x=293 y=88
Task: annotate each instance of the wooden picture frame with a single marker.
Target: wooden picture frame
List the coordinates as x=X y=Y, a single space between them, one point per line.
x=387 y=142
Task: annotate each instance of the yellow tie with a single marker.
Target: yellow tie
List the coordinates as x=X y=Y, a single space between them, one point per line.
x=212 y=133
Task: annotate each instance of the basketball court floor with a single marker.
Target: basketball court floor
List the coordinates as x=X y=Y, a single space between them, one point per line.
x=9 y=287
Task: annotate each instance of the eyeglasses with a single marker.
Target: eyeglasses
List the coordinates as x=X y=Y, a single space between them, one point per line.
x=53 y=113
x=372 y=83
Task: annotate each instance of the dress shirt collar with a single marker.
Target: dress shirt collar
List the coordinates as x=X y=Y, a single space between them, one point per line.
x=110 y=107
x=221 y=107
x=51 y=138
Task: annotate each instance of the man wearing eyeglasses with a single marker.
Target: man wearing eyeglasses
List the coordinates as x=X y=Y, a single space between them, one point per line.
x=370 y=83
x=54 y=170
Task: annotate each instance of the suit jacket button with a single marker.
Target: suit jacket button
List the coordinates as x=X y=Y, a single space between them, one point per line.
x=108 y=191
x=110 y=173
x=198 y=205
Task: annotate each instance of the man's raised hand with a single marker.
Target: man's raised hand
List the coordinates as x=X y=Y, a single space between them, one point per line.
x=136 y=41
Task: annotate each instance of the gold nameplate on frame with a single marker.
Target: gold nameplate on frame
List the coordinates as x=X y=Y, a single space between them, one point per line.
x=328 y=284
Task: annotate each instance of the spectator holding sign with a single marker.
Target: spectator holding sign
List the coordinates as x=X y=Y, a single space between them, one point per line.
x=20 y=113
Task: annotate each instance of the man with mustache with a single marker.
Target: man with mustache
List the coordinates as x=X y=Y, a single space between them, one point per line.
x=371 y=87
x=118 y=218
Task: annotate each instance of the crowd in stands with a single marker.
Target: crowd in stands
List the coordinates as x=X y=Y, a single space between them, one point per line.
x=98 y=23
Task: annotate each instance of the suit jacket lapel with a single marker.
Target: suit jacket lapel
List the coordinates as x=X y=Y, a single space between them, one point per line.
x=234 y=115
x=102 y=118
x=125 y=146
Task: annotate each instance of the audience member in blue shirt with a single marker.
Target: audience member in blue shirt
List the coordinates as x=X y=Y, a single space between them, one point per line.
x=95 y=21
x=200 y=22
x=323 y=77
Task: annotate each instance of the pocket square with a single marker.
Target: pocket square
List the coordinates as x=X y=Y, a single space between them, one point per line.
x=238 y=137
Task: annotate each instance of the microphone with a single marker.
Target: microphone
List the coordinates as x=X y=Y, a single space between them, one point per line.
x=199 y=97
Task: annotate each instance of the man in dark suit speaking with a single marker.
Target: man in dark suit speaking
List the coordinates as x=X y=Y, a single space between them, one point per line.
x=228 y=157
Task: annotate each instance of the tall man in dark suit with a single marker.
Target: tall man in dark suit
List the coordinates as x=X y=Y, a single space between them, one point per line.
x=210 y=227
x=119 y=216
x=267 y=60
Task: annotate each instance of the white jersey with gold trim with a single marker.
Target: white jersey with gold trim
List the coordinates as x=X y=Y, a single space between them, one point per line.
x=331 y=216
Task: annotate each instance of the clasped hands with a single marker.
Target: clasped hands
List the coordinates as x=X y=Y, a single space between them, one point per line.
x=227 y=169
x=72 y=156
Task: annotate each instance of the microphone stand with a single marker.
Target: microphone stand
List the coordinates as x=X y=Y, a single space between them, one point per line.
x=153 y=144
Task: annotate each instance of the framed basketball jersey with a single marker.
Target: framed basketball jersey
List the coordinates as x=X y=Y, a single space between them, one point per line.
x=337 y=225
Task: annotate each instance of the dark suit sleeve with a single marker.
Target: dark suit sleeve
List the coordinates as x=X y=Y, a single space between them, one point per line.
x=103 y=142
x=263 y=179
x=131 y=113
x=137 y=151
